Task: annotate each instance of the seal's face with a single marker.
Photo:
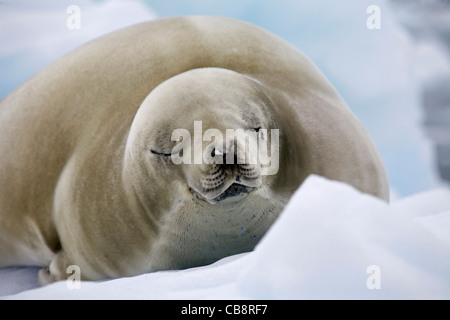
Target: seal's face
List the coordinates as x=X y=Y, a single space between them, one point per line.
x=205 y=144
x=214 y=167
x=210 y=131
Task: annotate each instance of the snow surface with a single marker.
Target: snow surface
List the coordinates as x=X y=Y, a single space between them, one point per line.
x=324 y=246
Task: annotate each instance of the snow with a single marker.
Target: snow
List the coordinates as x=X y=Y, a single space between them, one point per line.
x=330 y=242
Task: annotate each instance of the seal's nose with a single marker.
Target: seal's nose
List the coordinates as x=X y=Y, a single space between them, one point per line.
x=229 y=170
x=243 y=172
x=225 y=180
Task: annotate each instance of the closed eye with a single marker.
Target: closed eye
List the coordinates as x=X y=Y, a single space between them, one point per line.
x=160 y=153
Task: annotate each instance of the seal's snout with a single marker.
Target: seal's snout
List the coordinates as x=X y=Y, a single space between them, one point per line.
x=222 y=181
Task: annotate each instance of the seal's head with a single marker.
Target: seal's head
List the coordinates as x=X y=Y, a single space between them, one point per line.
x=203 y=137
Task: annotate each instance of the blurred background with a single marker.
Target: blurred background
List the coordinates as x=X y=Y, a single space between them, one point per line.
x=391 y=65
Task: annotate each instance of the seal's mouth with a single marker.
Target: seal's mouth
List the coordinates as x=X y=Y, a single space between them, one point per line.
x=234 y=190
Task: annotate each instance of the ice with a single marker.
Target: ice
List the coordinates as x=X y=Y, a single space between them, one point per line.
x=330 y=234
x=329 y=243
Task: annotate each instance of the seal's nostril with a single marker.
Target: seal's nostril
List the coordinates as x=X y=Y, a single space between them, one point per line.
x=216 y=152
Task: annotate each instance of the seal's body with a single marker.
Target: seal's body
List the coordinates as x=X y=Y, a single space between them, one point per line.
x=86 y=176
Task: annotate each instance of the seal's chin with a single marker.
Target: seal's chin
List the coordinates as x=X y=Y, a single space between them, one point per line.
x=235 y=190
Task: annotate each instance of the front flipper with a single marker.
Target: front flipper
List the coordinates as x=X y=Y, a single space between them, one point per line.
x=57 y=271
